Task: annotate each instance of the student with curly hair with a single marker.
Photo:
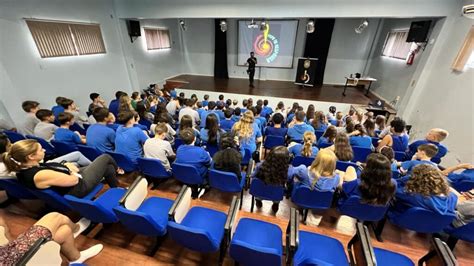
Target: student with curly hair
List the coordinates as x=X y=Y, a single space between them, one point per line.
x=248 y=132
x=397 y=139
x=428 y=189
x=375 y=185
x=228 y=158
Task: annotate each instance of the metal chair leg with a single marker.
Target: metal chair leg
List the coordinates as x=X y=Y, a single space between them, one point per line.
x=253 y=202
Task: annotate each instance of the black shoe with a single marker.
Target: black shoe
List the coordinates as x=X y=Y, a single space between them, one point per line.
x=258 y=203
x=275 y=207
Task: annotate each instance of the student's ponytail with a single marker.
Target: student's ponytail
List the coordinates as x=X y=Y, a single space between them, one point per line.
x=10 y=163
x=308 y=139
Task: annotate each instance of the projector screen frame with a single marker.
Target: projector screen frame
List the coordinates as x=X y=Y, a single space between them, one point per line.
x=279 y=19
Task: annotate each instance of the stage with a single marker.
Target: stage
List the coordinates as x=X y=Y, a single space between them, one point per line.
x=272 y=88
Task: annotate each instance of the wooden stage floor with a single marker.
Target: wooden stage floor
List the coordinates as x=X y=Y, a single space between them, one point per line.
x=284 y=89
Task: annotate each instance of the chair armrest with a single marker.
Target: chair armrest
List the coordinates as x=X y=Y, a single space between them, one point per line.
x=292 y=236
x=439 y=254
x=360 y=247
x=181 y=205
x=232 y=214
x=250 y=167
x=32 y=251
x=129 y=190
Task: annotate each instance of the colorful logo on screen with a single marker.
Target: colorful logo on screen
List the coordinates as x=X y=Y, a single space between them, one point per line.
x=267 y=45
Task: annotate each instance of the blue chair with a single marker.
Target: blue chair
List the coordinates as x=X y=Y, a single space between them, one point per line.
x=90 y=152
x=421 y=220
x=177 y=142
x=14 y=136
x=299 y=160
x=246 y=158
x=99 y=210
x=262 y=191
x=201 y=229
x=15 y=189
x=256 y=243
x=463 y=185
x=307 y=248
x=145 y=122
x=212 y=149
x=360 y=154
x=227 y=182
x=50 y=151
x=465 y=232
x=124 y=162
x=307 y=198
x=375 y=141
x=143 y=216
x=153 y=168
x=324 y=145
x=63 y=148
x=400 y=156
x=395 y=174
x=342 y=166
x=273 y=141
x=319 y=133
x=78 y=128
x=189 y=175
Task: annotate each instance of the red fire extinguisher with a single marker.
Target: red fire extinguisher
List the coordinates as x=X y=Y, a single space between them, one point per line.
x=411 y=58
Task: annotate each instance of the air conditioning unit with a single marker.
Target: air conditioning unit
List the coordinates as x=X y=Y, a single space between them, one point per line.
x=468 y=11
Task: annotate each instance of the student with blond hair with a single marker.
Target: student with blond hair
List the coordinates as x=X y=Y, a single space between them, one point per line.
x=247 y=132
x=306 y=149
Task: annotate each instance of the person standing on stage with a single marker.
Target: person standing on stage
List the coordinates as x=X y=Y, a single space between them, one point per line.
x=251 y=62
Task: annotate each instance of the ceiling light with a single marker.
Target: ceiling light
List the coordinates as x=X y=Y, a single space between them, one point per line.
x=310 y=26
x=223 y=25
x=362 y=26
x=182 y=23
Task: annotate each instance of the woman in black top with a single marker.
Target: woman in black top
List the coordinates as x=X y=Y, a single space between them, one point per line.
x=228 y=158
x=25 y=158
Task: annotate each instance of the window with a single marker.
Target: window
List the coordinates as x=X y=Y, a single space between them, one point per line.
x=59 y=38
x=157 y=38
x=396 y=45
x=465 y=57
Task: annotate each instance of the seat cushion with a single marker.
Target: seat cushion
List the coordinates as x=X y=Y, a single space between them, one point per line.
x=316 y=247
x=94 y=191
x=259 y=233
x=110 y=198
x=386 y=257
x=157 y=209
x=207 y=220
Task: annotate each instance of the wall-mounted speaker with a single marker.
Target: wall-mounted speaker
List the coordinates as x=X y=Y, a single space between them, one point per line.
x=134 y=28
x=419 y=31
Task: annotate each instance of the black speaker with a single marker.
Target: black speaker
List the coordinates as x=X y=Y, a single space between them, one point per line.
x=134 y=28
x=419 y=31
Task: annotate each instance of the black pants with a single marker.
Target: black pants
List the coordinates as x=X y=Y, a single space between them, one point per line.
x=251 y=75
x=102 y=167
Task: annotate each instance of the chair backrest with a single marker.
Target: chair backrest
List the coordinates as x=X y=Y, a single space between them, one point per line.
x=13 y=136
x=439 y=254
x=465 y=232
x=422 y=221
x=273 y=141
x=90 y=152
x=305 y=197
x=63 y=148
x=324 y=145
x=78 y=128
x=187 y=174
x=49 y=149
x=15 y=189
x=375 y=141
x=177 y=142
x=360 y=154
x=153 y=168
x=302 y=160
x=342 y=166
x=124 y=162
x=360 y=247
x=354 y=208
x=145 y=122
x=136 y=194
x=224 y=181
x=400 y=156
x=247 y=157
x=53 y=199
x=463 y=185
x=319 y=133
x=266 y=192
x=212 y=149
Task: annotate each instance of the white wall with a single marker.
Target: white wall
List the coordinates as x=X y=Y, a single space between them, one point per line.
x=29 y=77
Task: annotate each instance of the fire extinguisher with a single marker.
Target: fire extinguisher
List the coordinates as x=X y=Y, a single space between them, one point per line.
x=411 y=58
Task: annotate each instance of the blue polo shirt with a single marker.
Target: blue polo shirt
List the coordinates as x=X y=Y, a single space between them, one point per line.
x=67 y=136
x=101 y=137
x=466 y=175
x=442 y=150
x=400 y=143
x=57 y=110
x=129 y=141
x=296 y=132
x=361 y=141
x=323 y=141
x=297 y=148
x=273 y=131
x=409 y=165
x=266 y=110
x=204 y=115
x=195 y=156
x=250 y=143
x=114 y=106
x=323 y=184
x=439 y=204
x=351 y=188
x=322 y=127
x=113 y=126
x=227 y=124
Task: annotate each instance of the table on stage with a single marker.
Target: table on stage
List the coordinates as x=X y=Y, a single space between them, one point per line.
x=354 y=82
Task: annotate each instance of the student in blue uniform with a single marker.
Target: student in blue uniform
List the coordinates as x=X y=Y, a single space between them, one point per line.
x=227 y=123
x=328 y=138
x=237 y=114
x=397 y=139
x=306 y=149
x=266 y=110
x=114 y=104
x=129 y=140
x=261 y=121
x=422 y=156
x=64 y=134
x=99 y=135
x=187 y=122
x=466 y=175
x=211 y=110
x=435 y=136
x=211 y=133
x=319 y=122
x=296 y=131
x=375 y=185
x=276 y=129
x=359 y=137
x=247 y=132
x=192 y=155
x=428 y=189
x=58 y=108
x=206 y=100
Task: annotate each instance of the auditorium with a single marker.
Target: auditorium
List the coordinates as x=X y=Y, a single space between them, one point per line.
x=220 y=132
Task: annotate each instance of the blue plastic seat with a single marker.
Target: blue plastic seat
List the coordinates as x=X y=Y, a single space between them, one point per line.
x=273 y=141
x=90 y=152
x=212 y=149
x=124 y=162
x=302 y=160
x=465 y=232
x=400 y=156
x=14 y=136
x=15 y=189
x=421 y=220
x=386 y=257
x=201 y=230
x=342 y=166
x=375 y=141
x=262 y=191
x=50 y=151
x=316 y=249
x=78 y=128
x=187 y=174
x=319 y=133
x=177 y=142
x=360 y=154
x=256 y=243
x=63 y=148
x=324 y=145
x=227 y=182
x=145 y=122
x=354 y=208
x=153 y=168
x=99 y=210
x=307 y=198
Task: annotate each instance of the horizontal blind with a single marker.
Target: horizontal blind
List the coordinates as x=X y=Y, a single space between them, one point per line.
x=52 y=39
x=396 y=45
x=157 y=39
x=88 y=38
